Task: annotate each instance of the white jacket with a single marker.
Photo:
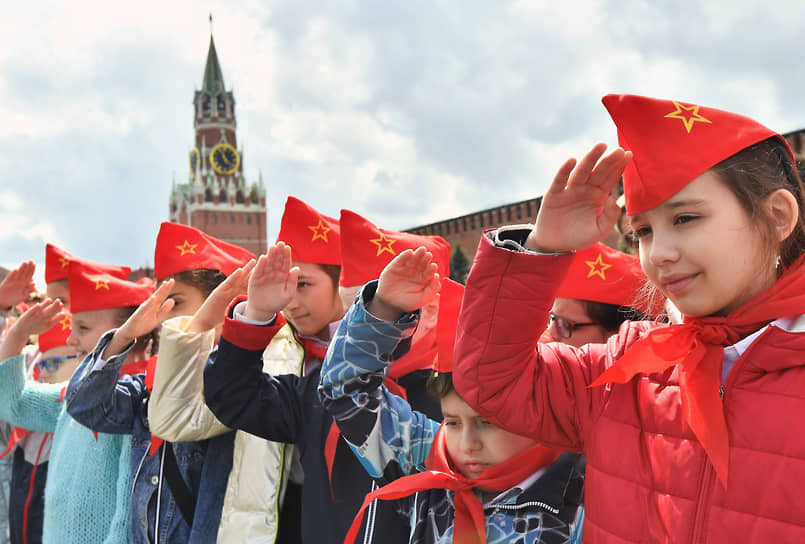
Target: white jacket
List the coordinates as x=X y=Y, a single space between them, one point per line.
x=177 y=413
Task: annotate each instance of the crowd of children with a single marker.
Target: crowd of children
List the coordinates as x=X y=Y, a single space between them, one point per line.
x=341 y=388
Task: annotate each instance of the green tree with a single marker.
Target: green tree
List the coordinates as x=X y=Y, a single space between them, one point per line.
x=459 y=265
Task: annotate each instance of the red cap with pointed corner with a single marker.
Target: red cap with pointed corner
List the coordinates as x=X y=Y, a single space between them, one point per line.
x=674 y=142
x=57 y=335
x=181 y=247
x=367 y=249
x=57 y=264
x=313 y=237
x=602 y=274
x=94 y=290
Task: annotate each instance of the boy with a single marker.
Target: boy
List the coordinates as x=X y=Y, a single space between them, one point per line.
x=482 y=483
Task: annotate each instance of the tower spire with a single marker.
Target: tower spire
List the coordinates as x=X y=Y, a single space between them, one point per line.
x=213 y=76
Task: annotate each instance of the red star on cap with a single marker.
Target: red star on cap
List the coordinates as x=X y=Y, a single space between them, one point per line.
x=66 y=323
x=319 y=231
x=688 y=115
x=597 y=267
x=101 y=284
x=64 y=262
x=187 y=247
x=384 y=245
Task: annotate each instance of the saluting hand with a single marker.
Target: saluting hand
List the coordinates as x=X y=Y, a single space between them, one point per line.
x=146 y=317
x=37 y=319
x=577 y=210
x=407 y=283
x=211 y=314
x=272 y=285
x=17 y=285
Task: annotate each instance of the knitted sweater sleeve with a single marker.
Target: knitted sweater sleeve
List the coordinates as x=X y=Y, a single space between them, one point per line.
x=389 y=438
x=532 y=389
x=176 y=410
x=26 y=404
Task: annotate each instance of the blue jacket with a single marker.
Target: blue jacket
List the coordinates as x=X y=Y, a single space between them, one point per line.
x=286 y=409
x=393 y=440
x=104 y=401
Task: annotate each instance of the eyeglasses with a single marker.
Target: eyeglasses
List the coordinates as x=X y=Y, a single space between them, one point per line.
x=51 y=364
x=566 y=326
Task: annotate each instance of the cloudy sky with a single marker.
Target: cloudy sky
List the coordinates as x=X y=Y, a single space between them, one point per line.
x=406 y=112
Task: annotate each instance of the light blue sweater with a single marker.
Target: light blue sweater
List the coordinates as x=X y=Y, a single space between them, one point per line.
x=89 y=479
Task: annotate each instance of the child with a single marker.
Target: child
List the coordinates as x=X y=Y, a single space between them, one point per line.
x=599 y=292
x=263 y=377
x=697 y=435
x=31 y=450
x=88 y=484
x=483 y=483
x=178 y=489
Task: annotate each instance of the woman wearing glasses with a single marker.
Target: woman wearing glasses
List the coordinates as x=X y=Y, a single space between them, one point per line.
x=601 y=291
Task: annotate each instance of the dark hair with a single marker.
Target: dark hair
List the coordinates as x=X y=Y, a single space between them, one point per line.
x=203 y=279
x=332 y=270
x=610 y=316
x=124 y=313
x=754 y=173
x=440 y=384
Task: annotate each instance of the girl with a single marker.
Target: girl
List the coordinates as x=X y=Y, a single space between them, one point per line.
x=178 y=489
x=31 y=450
x=692 y=431
x=483 y=483
x=88 y=484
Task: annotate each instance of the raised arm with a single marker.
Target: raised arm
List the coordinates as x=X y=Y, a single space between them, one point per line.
x=176 y=410
x=388 y=436
x=98 y=397
x=533 y=389
x=26 y=404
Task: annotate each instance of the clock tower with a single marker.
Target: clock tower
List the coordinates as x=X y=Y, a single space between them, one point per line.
x=216 y=197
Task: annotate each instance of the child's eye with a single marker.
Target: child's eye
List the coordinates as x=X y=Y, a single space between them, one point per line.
x=302 y=285
x=682 y=219
x=450 y=423
x=640 y=232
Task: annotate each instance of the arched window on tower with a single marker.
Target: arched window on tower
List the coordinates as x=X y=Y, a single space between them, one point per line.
x=206 y=103
x=208 y=195
x=240 y=198
x=221 y=104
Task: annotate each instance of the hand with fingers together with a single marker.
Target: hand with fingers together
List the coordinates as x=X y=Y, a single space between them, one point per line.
x=17 y=285
x=36 y=320
x=406 y=284
x=577 y=210
x=272 y=284
x=212 y=313
x=145 y=318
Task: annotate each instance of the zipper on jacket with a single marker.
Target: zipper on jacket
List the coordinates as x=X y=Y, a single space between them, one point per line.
x=538 y=504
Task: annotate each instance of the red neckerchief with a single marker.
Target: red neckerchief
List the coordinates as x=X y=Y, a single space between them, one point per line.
x=470 y=525
x=696 y=347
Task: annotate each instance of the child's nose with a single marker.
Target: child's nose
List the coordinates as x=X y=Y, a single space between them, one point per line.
x=469 y=439
x=661 y=250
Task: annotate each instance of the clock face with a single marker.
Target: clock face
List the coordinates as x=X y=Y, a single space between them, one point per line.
x=224 y=159
x=195 y=162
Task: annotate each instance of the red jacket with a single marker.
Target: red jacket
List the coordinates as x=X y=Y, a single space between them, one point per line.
x=648 y=478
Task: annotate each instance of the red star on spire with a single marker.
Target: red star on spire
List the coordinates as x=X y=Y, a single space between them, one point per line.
x=384 y=245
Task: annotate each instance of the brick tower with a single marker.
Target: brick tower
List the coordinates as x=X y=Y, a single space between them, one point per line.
x=216 y=198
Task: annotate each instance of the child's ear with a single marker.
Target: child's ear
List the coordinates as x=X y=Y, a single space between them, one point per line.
x=782 y=208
